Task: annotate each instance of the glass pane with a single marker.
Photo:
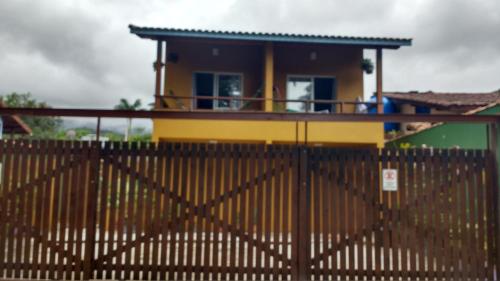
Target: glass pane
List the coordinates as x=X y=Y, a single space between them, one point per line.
x=298 y=88
x=229 y=86
x=204 y=88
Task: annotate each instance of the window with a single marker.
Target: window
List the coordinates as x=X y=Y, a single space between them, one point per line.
x=217 y=85
x=311 y=88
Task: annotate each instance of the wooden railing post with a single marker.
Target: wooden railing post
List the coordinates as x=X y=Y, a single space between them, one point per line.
x=90 y=233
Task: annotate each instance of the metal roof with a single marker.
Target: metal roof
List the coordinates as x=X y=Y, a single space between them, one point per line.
x=369 y=42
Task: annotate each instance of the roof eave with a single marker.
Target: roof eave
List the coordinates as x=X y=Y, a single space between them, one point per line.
x=368 y=43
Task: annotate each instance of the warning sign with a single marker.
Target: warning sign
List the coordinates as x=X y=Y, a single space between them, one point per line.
x=389 y=180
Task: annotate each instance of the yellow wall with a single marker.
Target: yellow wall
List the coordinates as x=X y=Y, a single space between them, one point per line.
x=341 y=133
x=341 y=62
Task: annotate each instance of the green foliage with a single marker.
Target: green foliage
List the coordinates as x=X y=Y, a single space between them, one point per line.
x=405 y=145
x=125 y=105
x=367 y=66
x=42 y=127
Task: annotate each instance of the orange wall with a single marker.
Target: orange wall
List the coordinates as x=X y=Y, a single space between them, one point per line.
x=196 y=56
x=342 y=62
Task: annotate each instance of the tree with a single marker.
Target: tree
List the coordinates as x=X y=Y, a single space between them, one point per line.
x=125 y=105
x=42 y=127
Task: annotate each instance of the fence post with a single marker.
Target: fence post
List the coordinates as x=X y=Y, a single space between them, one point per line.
x=493 y=151
x=304 y=193
x=94 y=173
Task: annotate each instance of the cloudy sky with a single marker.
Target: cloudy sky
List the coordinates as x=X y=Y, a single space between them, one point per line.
x=80 y=53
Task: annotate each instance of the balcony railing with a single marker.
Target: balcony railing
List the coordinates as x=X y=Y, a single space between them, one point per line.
x=255 y=104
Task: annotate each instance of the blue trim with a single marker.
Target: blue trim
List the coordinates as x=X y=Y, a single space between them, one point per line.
x=155 y=33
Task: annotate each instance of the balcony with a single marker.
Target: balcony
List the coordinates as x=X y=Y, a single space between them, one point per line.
x=257 y=104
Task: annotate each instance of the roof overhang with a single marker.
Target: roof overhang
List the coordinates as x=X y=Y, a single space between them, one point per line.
x=366 y=42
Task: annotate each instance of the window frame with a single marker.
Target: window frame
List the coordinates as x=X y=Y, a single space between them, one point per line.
x=311 y=77
x=216 y=75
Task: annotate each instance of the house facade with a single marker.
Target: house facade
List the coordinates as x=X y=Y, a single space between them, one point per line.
x=263 y=72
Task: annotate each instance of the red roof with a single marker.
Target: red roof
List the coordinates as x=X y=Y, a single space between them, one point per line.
x=443 y=100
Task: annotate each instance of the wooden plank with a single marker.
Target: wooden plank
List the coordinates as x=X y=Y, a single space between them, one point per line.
x=326 y=212
x=271 y=155
x=42 y=167
x=295 y=205
x=19 y=181
x=455 y=251
x=75 y=200
x=174 y=211
x=243 y=213
x=447 y=223
x=420 y=210
x=148 y=206
x=87 y=188
x=4 y=158
x=314 y=173
x=285 y=230
x=119 y=178
x=403 y=211
x=438 y=214
x=103 y=195
x=412 y=209
x=140 y=208
x=92 y=186
x=155 y=177
x=217 y=209
x=430 y=190
x=46 y=207
x=191 y=196
x=200 y=200
x=395 y=217
x=462 y=206
x=481 y=203
x=275 y=209
x=260 y=202
x=491 y=205
x=359 y=204
x=111 y=211
x=66 y=221
x=235 y=155
x=471 y=215
x=342 y=213
x=225 y=209
x=386 y=220
x=129 y=158
x=17 y=209
x=251 y=211
x=336 y=211
x=369 y=157
x=29 y=255
x=163 y=176
x=208 y=211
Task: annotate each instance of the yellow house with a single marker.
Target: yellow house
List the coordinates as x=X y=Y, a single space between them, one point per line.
x=199 y=70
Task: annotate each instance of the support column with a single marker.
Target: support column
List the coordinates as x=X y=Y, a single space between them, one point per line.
x=165 y=90
x=380 y=106
x=158 y=65
x=268 y=76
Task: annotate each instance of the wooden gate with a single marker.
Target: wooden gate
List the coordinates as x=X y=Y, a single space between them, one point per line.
x=75 y=210
x=196 y=212
x=439 y=224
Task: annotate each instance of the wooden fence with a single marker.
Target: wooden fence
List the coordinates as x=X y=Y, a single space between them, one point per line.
x=79 y=210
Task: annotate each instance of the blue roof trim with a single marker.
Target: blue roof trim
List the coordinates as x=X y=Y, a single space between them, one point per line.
x=155 y=33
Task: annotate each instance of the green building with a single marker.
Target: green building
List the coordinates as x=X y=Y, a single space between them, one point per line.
x=449 y=135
